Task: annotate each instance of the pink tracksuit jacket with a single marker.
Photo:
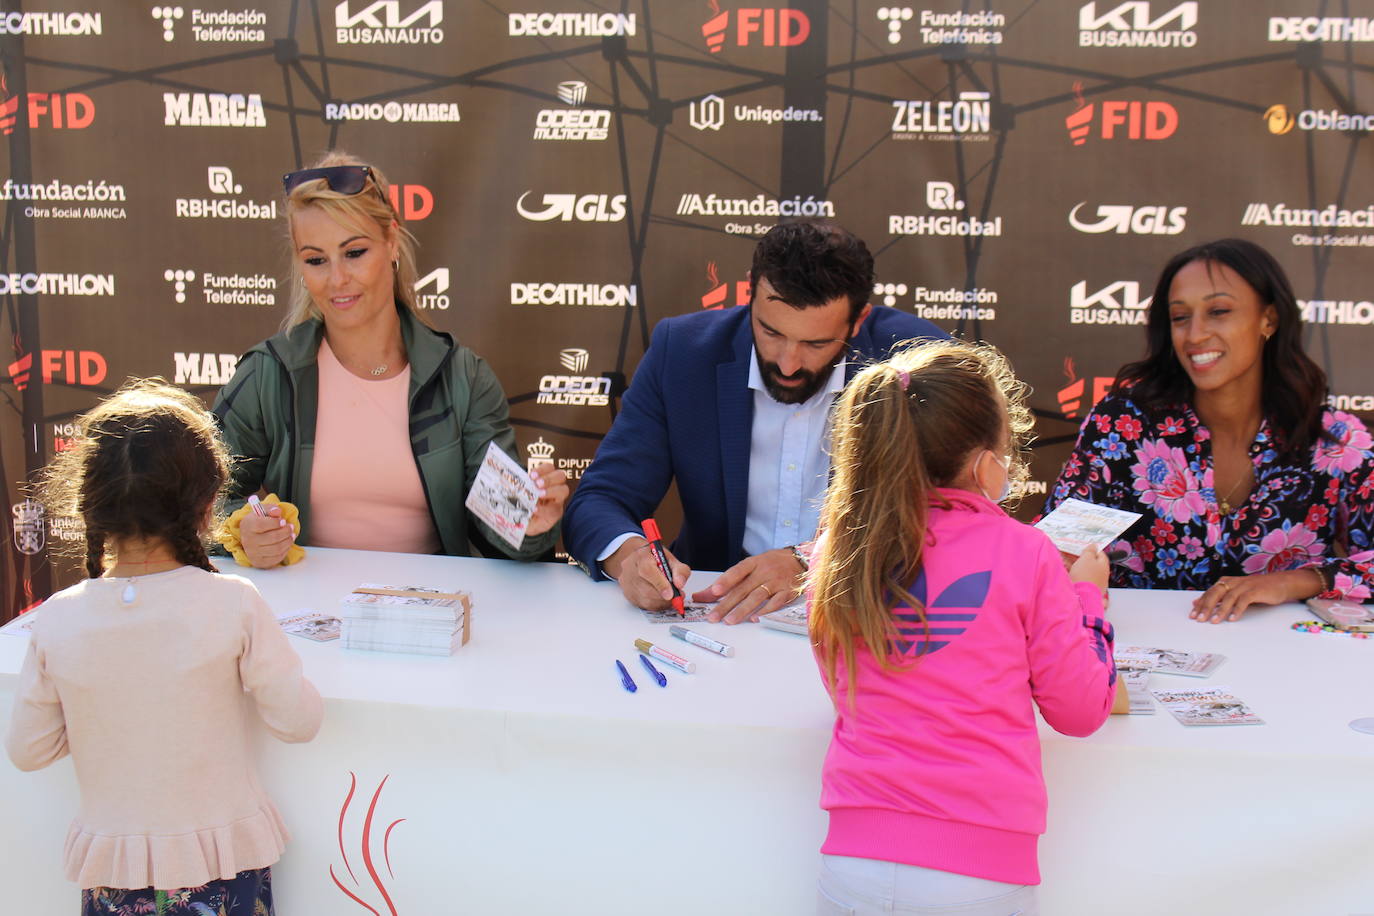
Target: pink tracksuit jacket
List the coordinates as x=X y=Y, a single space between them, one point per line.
x=938 y=764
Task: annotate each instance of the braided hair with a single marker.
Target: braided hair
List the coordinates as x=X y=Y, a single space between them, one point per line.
x=148 y=464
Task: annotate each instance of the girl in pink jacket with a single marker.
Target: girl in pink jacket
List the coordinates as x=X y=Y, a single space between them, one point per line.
x=937 y=619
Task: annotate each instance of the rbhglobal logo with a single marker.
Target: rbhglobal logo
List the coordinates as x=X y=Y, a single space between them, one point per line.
x=943 y=196
x=386 y=22
x=213 y=109
x=226 y=202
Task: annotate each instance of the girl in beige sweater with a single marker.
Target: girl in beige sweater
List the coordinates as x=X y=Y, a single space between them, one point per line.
x=144 y=672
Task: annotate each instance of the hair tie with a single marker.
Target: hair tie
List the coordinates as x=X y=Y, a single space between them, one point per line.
x=904 y=377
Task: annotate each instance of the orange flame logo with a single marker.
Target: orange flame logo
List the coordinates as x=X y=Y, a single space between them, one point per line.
x=366 y=849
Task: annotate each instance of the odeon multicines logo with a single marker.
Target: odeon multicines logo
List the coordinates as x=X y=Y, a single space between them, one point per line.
x=1280 y=120
x=603 y=295
x=1120 y=120
x=58 y=199
x=1130 y=219
x=222 y=26
x=1330 y=217
x=574 y=122
x=382 y=22
x=717 y=295
x=55 y=24
x=226 y=204
x=583 y=208
x=770 y=27
x=204 y=368
x=1337 y=311
x=950 y=304
x=74 y=368
x=431 y=290
x=709 y=113
x=969 y=117
x=980 y=28
x=574 y=390
x=213 y=109
x=393 y=112
x=1321 y=28
x=55 y=110
x=221 y=288
x=1115 y=303
x=943 y=196
x=571 y=25
x=541 y=454
x=1133 y=25
x=57 y=284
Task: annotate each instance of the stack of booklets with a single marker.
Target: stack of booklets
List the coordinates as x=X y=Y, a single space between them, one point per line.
x=405 y=618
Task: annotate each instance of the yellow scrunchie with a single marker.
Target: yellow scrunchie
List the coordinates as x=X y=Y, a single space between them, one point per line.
x=229 y=531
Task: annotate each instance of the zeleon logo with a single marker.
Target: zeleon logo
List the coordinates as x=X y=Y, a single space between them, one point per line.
x=719 y=293
x=770 y=26
x=1121 y=119
x=72 y=367
x=1071 y=395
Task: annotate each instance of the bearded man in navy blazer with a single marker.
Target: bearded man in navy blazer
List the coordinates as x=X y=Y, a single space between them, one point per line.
x=734 y=405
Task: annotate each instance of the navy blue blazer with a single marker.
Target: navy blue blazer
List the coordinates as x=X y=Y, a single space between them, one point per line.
x=688 y=416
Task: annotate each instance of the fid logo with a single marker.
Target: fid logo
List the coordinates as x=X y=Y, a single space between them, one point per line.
x=719 y=292
x=74 y=367
x=1140 y=120
x=774 y=27
x=72 y=110
x=1070 y=397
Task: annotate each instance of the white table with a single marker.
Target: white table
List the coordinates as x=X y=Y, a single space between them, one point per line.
x=530 y=782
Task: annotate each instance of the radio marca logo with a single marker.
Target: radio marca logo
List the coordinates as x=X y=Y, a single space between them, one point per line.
x=769 y=26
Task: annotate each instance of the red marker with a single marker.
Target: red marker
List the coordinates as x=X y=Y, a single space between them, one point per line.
x=656 y=546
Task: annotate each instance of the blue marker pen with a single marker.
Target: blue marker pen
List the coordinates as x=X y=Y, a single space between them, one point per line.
x=625 y=677
x=654 y=672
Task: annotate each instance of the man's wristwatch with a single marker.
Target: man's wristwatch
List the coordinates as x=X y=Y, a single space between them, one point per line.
x=800 y=556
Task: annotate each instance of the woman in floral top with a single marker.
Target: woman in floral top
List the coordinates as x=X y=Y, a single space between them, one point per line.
x=1251 y=489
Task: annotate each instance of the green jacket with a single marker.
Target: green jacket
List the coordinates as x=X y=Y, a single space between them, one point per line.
x=267 y=412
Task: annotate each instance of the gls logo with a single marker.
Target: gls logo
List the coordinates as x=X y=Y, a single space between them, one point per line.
x=74 y=367
x=381 y=22
x=438 y=279
x=1116 y=303
x=71 y=110
x=774 y=27
x=1129 y=25
x=586 y=208
x=1124 y=218
x=1140 y=120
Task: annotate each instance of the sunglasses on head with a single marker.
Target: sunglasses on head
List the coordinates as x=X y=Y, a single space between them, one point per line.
x=345 y=179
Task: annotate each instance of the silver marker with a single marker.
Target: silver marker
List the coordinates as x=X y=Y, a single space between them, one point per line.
x=705 y=642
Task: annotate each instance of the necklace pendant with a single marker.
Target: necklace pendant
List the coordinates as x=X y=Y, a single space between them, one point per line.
x=380 y=370
x=129 y=594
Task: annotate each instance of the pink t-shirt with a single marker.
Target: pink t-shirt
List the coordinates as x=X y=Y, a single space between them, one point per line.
x=365 y=490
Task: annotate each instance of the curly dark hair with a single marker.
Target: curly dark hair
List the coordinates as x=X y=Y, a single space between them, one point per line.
x=811 y=262
x=1293 y=392
x=148 y=464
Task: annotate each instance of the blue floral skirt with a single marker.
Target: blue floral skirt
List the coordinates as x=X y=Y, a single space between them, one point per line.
x=249 y=893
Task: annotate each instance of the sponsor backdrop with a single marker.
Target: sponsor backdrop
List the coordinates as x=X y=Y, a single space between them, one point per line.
x=577 y=170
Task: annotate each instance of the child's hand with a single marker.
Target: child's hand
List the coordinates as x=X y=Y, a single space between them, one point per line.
x=1091 y=566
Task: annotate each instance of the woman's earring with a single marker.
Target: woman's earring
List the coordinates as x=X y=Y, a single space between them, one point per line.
x=395 y=265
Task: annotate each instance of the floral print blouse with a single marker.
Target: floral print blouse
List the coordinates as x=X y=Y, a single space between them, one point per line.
x=1317 y=511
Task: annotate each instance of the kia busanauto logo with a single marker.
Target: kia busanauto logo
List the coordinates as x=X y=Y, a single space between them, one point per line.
x=586 y=208
x=1131 y=25
x=382 y=22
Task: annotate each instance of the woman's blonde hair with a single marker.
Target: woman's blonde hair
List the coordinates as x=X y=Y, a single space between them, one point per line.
x=902 y=428
x=370 y=207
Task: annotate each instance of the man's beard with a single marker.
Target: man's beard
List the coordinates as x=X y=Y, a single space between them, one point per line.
x=811 y=382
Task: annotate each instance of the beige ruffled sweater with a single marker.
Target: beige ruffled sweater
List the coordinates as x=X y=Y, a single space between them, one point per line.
x=151 y=698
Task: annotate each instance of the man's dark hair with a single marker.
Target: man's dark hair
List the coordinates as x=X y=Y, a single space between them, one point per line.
x=811 y=263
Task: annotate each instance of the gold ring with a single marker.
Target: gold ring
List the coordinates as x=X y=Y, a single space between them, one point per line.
x=768 y=591
x=1224 y=584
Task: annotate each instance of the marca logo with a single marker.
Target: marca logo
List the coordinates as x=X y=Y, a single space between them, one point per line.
x=708 y=113
x=942 y=195
x=718 y=296
x=1130 y=25
x=598 y=294
x=212 y=109
x=214 y=26
x=220 y=181
x=28 y=526
x=982 y=28
x=437 y=281
x=204 y=368
x=586 y=208
x=769 y=26
x=73 y=24
x=1116 y=303
x=572 y=123
x=224 y=289
x=1070 y=397
x=1280 y=121
x=1121 y=120
x=70 y=110
x=1125 y=218
x=579 y=25
x=382 y=22
x=82 y=368
x=971 y=113
x=412 y=201
x=57 y=284
x=1325 y=28
x=574 y=390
